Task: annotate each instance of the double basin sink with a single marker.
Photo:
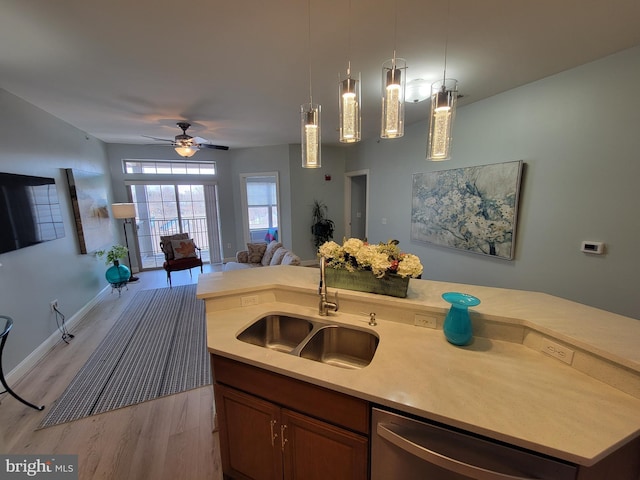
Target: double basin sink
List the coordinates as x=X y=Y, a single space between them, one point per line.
x=333 y=344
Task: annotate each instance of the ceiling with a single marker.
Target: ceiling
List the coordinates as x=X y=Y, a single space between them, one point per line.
x=239 y=70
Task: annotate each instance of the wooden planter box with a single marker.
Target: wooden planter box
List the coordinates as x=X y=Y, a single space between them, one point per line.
x=365 y=281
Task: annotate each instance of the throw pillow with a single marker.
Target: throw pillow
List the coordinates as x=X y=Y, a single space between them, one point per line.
x=290 y=259
x=278 y=256
x=256 y=251
x=167 y=247
x=268 y=253
x=183 y=248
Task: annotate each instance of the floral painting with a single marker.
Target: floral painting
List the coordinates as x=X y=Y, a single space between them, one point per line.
x=472 y=209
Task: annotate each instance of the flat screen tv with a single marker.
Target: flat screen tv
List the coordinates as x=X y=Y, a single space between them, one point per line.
x=29 y=211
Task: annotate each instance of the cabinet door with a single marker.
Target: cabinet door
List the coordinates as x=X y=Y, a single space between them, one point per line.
x=249 y=435
x=315 y=450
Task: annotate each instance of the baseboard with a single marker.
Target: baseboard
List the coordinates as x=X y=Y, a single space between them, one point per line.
x=25 y=366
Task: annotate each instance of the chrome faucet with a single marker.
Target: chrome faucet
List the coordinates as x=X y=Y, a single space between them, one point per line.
x=324 y=305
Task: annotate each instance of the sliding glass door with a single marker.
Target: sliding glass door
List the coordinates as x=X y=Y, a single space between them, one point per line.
x=170 y=208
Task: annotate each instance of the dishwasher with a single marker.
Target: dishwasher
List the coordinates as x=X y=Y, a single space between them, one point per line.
x=410 y=449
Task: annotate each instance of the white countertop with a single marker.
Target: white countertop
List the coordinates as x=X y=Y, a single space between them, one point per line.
x=500 y=386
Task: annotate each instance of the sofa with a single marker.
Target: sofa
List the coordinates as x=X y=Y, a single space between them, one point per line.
x=263 y=255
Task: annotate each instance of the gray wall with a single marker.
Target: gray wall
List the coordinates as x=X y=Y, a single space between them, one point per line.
x=309 y=184
x=577 y=133
x=33 y=142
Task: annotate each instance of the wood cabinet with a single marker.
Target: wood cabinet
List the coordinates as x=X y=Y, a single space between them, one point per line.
x=275 y=427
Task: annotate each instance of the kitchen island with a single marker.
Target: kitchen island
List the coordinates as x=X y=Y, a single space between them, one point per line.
x=508 y=385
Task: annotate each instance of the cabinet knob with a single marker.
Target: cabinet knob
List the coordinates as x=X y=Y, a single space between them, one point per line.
x=283 y=439
x=274 y=435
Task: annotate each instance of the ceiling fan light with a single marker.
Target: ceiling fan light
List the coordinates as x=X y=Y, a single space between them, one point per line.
x=186 y=151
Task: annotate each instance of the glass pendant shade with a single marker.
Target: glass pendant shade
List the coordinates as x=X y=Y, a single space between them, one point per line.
x=186 y=150
x=393 y=90
x=444 y=95
x=310 y=123
x=350 y=131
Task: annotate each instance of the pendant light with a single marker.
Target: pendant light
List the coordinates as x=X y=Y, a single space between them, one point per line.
x=349 y=101
x=310 y=122
x=393 y=90
x=444 y=96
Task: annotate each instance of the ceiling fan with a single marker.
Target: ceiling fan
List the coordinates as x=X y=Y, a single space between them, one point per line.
x=186 y=145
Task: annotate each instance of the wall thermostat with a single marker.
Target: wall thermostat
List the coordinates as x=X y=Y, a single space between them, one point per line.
x=593 y=247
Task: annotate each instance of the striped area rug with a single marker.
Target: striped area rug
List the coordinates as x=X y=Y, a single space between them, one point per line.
x=156 y=348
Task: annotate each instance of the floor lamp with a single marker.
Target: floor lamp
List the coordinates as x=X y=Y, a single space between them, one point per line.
x=126 y=212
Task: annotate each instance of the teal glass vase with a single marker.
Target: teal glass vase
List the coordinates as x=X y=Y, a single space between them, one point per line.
x=457 y=324
x=117 y=274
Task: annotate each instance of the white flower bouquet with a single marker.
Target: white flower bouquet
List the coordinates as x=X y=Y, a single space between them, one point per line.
x=380 y=259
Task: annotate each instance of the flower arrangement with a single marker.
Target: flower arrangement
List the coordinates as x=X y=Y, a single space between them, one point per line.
x=380 y=259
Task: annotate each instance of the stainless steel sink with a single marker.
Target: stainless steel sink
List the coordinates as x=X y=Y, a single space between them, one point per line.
x=338 y=345
x=341 y=346
x=277 y=332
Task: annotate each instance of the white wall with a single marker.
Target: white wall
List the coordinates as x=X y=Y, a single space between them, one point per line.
x=577 y=133
x=33 y=142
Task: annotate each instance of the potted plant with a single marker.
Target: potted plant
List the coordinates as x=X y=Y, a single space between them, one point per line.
x=322 y=227
x=114 y=254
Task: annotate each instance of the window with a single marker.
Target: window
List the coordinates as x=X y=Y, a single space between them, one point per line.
x=260 y=202
x=169 y=167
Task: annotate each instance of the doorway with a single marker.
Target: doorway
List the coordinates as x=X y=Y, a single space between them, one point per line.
x=170 y=208
x=356 y=201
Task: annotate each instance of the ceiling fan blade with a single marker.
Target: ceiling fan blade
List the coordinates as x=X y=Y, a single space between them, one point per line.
x=204 y=143
x=209 y=145
x=159 y=139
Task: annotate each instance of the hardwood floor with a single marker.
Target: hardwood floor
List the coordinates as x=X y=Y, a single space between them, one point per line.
x=168 y=438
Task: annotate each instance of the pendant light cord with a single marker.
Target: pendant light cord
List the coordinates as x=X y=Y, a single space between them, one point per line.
x=349 y=41
x=309 y=56
x=446 y=43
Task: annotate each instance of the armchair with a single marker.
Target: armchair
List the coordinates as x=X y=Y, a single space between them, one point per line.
x=180 y=253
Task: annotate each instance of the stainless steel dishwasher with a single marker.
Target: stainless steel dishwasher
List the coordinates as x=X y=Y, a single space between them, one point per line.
x=408 y=449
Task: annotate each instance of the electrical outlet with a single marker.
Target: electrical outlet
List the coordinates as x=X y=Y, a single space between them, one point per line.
x=425 y=321
x=53 y=305
x=249 y=300
x=557 y=351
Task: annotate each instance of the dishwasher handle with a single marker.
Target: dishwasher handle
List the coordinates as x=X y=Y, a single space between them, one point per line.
x=392 y=433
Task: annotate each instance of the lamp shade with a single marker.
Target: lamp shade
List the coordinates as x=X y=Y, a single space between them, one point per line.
x=123 y=210
x=393 y=89
x=350 y=109
x=311 y=136
x=444 y=95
